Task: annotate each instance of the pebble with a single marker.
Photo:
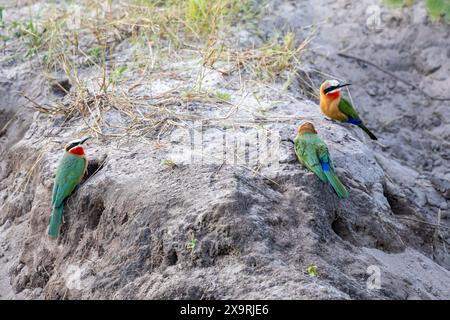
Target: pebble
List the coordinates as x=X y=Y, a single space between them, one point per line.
x=7 y=224
x=371 y=92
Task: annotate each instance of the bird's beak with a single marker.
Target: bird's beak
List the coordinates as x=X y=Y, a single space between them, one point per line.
x=332 y=88
x=343 y=85
x=84 y=140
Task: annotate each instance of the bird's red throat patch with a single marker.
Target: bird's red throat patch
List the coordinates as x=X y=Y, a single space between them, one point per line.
x=78 y=150
x=334 y=95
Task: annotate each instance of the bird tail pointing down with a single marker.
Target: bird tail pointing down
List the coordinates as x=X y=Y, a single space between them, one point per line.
x=55 y=221
x=369 y=133
x=335 y=182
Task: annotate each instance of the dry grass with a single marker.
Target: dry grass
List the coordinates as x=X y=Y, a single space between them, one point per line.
x=159 y=33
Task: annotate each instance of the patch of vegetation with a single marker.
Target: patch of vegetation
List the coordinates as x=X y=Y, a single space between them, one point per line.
x=169 y=164
x=280 y=54
x=312 y=271
x=223 y=96
x=2 y=22
x=207 y=17
x=115 y=76
x=30 y=33
x=190 y=246
x=96 y=54
x=109 y=51
x=438 y=10
x=3 y=36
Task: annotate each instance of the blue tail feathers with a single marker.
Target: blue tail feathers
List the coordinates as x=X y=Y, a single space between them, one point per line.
x=354 y=121
x=325 y=166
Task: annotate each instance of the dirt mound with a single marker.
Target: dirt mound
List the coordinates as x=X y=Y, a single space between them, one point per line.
x=162 y=219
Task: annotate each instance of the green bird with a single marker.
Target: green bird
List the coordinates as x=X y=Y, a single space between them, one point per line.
x=68 y=175
x=339 y=108
x=313 y=153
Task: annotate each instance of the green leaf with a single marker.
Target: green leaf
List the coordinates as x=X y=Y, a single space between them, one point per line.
x=96 y=54
x=312 y=271
x=435 y=8
x=191 y=244
x=223 y=96
x=117 y=74
x=447 y=12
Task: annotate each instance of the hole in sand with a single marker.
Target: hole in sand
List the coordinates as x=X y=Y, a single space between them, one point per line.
x=399 y=205
x=172 y=257
x=341 y=229
x=94 y=166
x=96 y=209
x=61 y=87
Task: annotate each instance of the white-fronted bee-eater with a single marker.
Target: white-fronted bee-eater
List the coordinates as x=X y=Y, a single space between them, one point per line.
x=313 y=153
x=333 y=105
x=68 y=175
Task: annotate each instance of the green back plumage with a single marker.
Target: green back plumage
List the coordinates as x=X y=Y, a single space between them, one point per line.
x=306 y=146
x=347 y=108
x=68 y=175
x=312 y=151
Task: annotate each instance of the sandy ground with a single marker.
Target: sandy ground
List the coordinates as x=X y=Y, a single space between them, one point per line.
x=126 y=229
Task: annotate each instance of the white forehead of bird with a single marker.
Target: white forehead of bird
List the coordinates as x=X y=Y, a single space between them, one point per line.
x=78 y=141
x=333 y=83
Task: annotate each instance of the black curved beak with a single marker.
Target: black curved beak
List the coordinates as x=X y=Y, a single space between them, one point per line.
x=329 y=89
x=84 y=140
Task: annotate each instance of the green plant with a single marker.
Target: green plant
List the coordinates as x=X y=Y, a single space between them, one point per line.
x=207 y=17
x=223 y=96
x=312 y=271
x=169 y=163
x=278 y=55
x=397 y=3
x=3 y=37
x=190 y=246
x=436 y=9
x=30 y=33
x=117 y=74
x=96 y=54
x=2 y=22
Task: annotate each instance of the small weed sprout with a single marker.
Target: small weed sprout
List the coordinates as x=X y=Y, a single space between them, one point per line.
x=312 y=271
x=169 y=164
x=190 y=246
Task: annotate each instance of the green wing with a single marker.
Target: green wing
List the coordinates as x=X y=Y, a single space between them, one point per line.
x=305 y=148
x=68 y=175
x=322 y=152
x=346 y=108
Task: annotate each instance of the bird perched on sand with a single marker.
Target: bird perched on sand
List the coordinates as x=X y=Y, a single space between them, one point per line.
x=68 y=175
x=313 y=153
x=333 y=105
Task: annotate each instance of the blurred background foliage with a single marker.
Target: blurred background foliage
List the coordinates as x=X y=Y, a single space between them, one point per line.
x=438 y=10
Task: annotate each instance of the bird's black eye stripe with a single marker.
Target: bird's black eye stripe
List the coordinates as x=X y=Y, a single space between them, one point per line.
x=72 y=145
x=329 y=89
